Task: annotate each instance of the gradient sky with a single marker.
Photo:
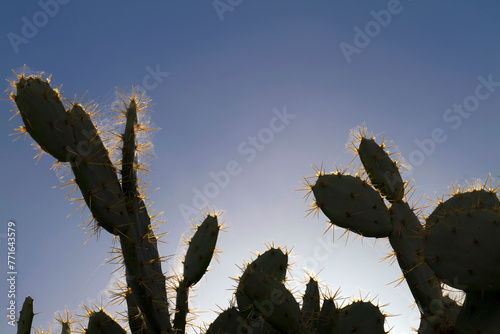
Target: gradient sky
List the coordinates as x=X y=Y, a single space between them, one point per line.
x=421 y=72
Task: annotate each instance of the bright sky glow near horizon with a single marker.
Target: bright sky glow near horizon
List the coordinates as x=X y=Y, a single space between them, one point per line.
x=247 y=98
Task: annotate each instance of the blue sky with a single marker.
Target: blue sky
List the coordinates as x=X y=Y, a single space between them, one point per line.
x=427 y=75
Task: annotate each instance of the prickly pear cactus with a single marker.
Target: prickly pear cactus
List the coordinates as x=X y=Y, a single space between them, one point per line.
x=266 y=305
x=456 y=244
x=114 y=193
x=112 y=190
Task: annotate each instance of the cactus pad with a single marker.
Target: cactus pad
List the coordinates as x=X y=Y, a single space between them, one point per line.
x=463 y=249
x=45 y=117
x=201 y=250
x=382 y=170
x=351 y=203
x=361 y=317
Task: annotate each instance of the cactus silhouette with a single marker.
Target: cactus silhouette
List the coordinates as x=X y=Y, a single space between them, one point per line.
x=449 y=248
x=456 y=245
x=116 y=200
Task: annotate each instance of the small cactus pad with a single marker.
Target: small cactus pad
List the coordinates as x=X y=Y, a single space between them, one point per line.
x=351 y=203
x=361 y=317
x=463 y=249
x=273 y=301
x=382 y=170
x=201 y=250
x=272 y=263
x=45 y=117
x=328 y=318
x=229 y=321
x=310 y=306
x=101 y=323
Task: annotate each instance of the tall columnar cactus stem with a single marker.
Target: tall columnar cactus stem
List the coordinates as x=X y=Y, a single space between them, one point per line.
x=135 y=204
x=144 y=277
x=26 y=317
x=139 y=244
x=128 y=216
x=144 y=284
